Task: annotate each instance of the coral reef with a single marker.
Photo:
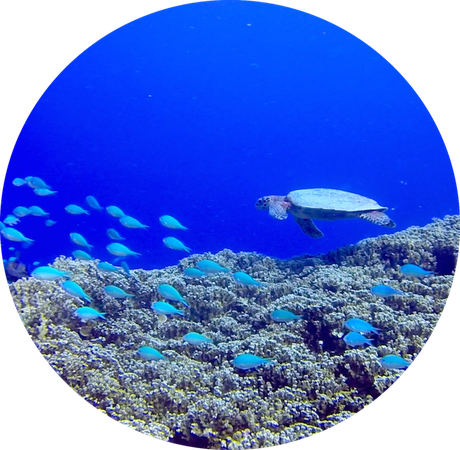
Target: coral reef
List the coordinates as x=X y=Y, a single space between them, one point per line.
x=196 y=397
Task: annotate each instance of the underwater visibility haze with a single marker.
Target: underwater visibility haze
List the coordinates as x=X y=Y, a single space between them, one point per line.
x=154 y=145
x=197 y=111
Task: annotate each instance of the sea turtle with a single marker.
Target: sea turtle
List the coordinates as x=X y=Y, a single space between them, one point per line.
x=323 y=204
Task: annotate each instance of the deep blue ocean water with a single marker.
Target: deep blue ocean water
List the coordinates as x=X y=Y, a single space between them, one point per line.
x=199 y=110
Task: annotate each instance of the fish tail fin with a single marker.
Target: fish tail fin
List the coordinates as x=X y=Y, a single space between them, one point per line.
x=187 y=249
x=102 y=316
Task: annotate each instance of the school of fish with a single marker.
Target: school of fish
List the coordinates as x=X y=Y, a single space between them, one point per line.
x=359 y=329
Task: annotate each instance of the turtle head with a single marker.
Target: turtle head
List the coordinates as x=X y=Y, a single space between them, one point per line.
x=263 y=203
x=275 y=204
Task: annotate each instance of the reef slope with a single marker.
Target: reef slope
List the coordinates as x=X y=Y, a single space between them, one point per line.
x=197 y=397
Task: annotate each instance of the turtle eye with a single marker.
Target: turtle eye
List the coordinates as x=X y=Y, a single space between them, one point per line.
x=262 y=203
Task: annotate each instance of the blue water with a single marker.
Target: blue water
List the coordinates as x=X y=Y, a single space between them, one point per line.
x=199 y=110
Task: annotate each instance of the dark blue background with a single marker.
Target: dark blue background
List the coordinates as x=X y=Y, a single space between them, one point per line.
x=199 y=110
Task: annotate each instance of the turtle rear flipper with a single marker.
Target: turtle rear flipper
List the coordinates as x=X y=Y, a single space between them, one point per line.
x=379 y=218
x=308 y=227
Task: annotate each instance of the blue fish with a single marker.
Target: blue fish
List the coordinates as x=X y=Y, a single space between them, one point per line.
x=208 y=266
x=411 y=270
x=118 y=249
x=194 y=273
x=93 y=203
x=19 y=182
x=78 y=239
x=11 y=220
x=125 y=267
x=282 y=315
x=75 y=210
x=360 y=326
x=37 y=211
x=247 y=361
x=171 y=222
x=115 y=235
x=150 y=354
x=394 y=362
x=354 y=339
x=44 y=192
x=245 y=279
x=115 y=211
x=81 y=255
x=175 y=244
x=49 y=273
x=74 y=290
x=50 y=223
x=170 y=293
x=14 y=235
x=21 y=211
x=36 y=183
x=131 y=222
x=382 y=290
x=107 y=267
x=166 y=309
x=116 y=292
x=86 y=313
x=2 y=226
x=196 y=339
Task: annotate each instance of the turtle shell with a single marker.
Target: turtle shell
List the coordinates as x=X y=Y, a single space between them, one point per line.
x=332 y=199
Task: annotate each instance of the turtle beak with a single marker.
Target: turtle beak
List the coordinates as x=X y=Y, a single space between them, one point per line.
x=261 y=203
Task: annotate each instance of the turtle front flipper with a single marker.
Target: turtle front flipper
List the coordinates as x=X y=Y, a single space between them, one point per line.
x=308 y=227
x=379 y=218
